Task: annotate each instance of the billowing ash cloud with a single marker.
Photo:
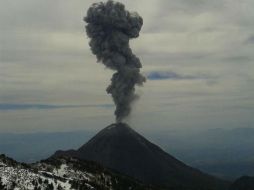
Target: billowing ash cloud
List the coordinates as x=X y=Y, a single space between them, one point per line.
x=110 y=27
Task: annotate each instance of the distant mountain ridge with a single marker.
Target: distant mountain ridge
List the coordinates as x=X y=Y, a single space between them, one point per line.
x=243 y=183
x=200 y=149
x=121 y=148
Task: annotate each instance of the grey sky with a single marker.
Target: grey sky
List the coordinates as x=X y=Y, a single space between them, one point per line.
x=45 y=60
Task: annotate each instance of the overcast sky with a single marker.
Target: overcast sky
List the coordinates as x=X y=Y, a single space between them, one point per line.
x=197 y=55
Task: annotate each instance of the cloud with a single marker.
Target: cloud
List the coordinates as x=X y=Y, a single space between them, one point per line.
x=250 y=40
x=170 y=75
x=45 y=59
x=239 y=59
x=6 y=106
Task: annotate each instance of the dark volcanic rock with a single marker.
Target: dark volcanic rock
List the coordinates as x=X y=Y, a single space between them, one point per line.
x=243 y=183
x=121 y=148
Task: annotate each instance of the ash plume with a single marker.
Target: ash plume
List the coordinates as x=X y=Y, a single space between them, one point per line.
x=110 y=27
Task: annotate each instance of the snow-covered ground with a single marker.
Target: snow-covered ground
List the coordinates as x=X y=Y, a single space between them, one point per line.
x=18 y=177
x=62 y=173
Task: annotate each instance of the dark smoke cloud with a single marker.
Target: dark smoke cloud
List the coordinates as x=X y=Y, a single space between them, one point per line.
x=110 y=27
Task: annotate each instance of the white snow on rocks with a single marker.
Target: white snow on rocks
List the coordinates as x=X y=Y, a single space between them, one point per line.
x=21 y=178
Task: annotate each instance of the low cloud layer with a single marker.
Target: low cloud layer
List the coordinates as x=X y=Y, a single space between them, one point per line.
x=170 y=75
x=6 y=106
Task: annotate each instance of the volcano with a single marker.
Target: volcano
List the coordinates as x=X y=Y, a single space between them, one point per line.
x=122 y=149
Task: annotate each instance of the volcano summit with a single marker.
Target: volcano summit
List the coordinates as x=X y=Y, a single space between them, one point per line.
x=121 y=148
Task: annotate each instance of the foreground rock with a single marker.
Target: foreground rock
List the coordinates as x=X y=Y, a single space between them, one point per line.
x=63 y=174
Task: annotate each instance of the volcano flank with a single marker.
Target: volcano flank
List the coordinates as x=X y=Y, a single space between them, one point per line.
x=122 y=149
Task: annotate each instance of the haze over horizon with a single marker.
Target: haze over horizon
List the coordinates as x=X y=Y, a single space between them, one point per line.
x=197 y=56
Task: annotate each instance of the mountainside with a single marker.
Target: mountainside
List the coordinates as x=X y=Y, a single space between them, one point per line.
x=63 y=174
x=243 y=183
x=121 y=148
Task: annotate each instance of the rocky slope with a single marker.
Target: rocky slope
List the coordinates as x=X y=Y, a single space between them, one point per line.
x=243 y=183
x=63 y=174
